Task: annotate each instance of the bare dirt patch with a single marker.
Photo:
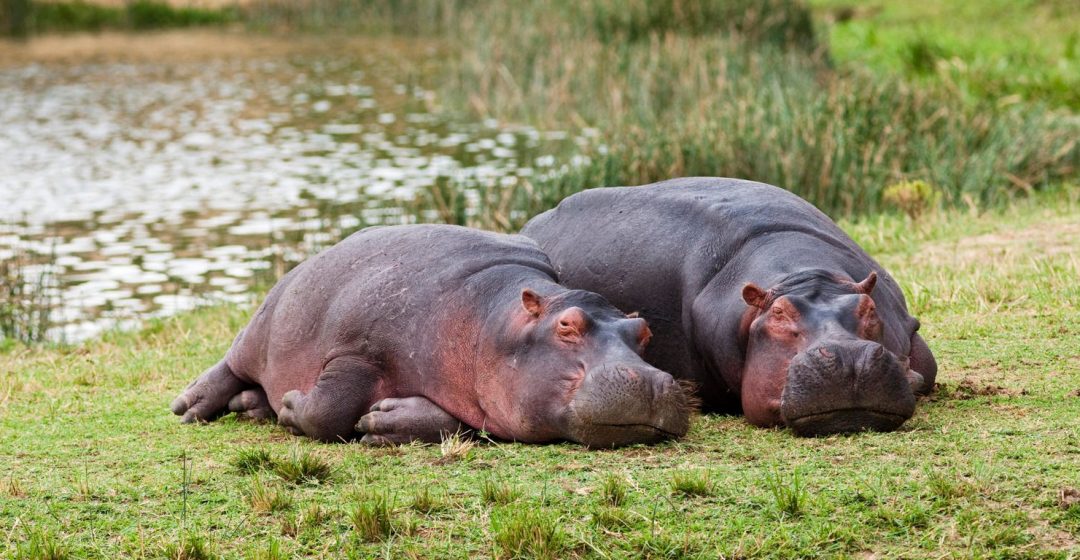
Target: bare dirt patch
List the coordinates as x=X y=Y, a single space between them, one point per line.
x=968 y=389
x=185 y=45
x=165 y=46
x=1048 y=238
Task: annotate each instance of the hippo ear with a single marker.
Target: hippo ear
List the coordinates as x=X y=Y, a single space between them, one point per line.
x=867 y=286
x=754 y=296
x=532 y=302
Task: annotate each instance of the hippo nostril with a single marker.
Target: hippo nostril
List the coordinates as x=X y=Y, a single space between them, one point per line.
x=825 y=352
x=878 y=353
x=915 y=380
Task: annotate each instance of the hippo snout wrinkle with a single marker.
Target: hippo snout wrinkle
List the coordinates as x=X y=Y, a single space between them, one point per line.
x=621 y=402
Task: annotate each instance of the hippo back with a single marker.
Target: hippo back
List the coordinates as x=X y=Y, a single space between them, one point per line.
x=365 y=295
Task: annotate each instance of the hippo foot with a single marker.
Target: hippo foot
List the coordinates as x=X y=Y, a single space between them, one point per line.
x=253 y=404
x=208 y=397
x=397 y=421
x=328 y=412
x=292 y=407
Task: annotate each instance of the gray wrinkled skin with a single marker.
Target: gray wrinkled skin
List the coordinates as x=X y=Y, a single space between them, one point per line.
x=744 y=285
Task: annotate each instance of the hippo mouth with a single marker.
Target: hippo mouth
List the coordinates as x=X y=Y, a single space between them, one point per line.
x=845 y=421
x=608 y=435
x=846 y=387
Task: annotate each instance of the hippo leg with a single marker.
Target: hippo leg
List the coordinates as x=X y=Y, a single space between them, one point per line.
x=208 y=397
x=252 y=403
x=396 y=421
x=922 y=361
x=329 y=412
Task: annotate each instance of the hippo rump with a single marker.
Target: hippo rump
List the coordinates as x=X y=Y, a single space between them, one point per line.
x=407 y=332
x=753 y=294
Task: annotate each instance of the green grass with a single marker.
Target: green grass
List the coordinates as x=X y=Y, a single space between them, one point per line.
x=613 y=491
x=267 y=498
x=96 y=466
x=41 y=545
x=189 y=547
x=79 y=15
x=303 y=467
x=252 y=461
x=691 y=483
x=1001 y=50
x=373 y=517
x=986 y=468
x=425 y=501
x=526 y=533
x=788 y=493
x=498 y=493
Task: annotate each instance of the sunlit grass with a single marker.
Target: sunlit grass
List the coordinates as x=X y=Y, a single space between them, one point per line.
x=1004 y=51
x=987 y=464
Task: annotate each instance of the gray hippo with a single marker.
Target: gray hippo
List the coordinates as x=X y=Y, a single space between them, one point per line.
x=753 y=295
x=405 y=333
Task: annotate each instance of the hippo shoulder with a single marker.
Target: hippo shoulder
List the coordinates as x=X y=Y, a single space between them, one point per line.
x=379 y=280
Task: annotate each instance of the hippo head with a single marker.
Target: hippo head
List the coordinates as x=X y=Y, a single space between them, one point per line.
x=576 y=373
x=815 y=360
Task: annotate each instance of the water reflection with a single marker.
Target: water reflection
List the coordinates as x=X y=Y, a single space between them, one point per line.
x=147 y=189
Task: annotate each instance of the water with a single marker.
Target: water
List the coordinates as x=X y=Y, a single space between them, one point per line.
x=144 y=189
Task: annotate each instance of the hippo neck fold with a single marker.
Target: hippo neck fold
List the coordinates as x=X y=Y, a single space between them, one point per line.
x=487 y=336
x=775 y=258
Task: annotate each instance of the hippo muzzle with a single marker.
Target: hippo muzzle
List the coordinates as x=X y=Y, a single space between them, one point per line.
x=846 y=386
x=622 y=404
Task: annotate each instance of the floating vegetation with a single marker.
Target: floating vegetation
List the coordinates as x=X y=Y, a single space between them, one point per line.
x=162 y=187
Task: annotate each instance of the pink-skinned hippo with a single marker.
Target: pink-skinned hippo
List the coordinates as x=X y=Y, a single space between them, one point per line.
x=753 y=295
x=408 y=333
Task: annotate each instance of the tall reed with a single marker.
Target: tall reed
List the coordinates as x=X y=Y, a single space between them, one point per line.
x=25 y=300
x=712 y=87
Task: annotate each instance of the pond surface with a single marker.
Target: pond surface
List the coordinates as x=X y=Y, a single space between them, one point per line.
x=140 y=189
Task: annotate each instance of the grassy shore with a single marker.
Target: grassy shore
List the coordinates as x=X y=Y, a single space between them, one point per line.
x=95 y=466
x=1001 y=50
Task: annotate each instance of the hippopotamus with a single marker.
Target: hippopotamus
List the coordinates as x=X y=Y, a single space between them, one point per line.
x=407 y=333
x=753 y=295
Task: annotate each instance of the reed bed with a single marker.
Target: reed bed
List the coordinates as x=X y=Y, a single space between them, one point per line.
x=713 y=87
x=26 y=300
